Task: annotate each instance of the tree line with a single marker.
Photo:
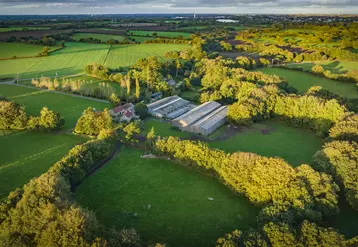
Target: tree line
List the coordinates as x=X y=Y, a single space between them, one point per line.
x=14 y=117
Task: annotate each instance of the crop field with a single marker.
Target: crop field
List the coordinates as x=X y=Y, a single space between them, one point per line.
x=162 y=200
x=9 y=29
x=75 y=56
x=25 y=155
x=102 y=37
x=124 y=55
x=161 y=34
x=303 y=81
x=8 y=50
x=68 y=106
x=269 y=139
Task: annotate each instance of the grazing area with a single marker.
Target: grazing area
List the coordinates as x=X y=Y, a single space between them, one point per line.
x=333 y=66
x=303 y=81
x=75 y=56
x=102 y=37
x=163 y=129
x=68 y=106
x=10 y=50
x=140 y=38
x=25 y=155
x=124 y=55
x=162 y=200
x=160 y=34
x=273 y=139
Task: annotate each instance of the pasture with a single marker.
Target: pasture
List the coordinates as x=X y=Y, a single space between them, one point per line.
x=163 y=129
x=163 y=201
x=270 y=138
x=140 y=39
x=125 y=55
x=75 y=56
x=68 y=106
x=8 y=50
x=160 y=34
x=25 y=155
x=303 y=81
x=102 y=37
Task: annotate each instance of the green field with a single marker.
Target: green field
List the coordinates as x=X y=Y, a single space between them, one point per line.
x=9 y=29
x=7 y=50
x=75 y=56
x=160 y=34
x=273 y=138
x=302 y=146
x=303 y=81
x=124 y=55
x=163 y=201
x=336 y=67
x=68 y=106
x=140 y=38
x=102 y=37
x=25 y=155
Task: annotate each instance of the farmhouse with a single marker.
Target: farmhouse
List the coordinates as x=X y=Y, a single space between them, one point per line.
x=170 y=107
x=123 y=113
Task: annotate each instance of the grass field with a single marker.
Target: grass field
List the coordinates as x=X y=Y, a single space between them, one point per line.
x=303 y=81
x=337 y=67
x=102 y=37
x=164 y=201
x=69 y=107
x=163 y=129
x=75 y=56
x=296 y=146
x=8 y=50
x=160 y=34
x=302 y=146
x=140 y=38
x=124 y=55
x=9 y=29
x=25 y=155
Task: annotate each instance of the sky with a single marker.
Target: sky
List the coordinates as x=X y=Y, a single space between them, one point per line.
x=8 y=7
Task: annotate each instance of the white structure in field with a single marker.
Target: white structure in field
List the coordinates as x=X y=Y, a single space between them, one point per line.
x=203 y=119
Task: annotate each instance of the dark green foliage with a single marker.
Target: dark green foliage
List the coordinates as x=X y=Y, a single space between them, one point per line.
x=12 y=116
x=141 y=110
x=92 y=122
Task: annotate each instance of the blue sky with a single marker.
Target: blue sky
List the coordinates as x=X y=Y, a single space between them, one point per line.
x=177 y=6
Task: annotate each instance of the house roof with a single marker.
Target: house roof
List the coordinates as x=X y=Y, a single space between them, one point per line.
x=128 y=114
x=122 y=107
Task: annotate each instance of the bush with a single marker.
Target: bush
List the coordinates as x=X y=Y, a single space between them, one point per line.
x=12 y=116
x=141 y=110
x=91 y=123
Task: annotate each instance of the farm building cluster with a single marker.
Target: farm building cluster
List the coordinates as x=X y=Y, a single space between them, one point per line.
x=203 y=119
x=123 y=113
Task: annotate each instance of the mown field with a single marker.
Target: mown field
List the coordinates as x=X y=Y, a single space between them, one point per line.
x=161 y=34
x=124 y=55
x=25 y=155
x=8 y=50
x=75 y=56
x=303 y=81
x=68 y=106
x=102 y=37
x=164 y=201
